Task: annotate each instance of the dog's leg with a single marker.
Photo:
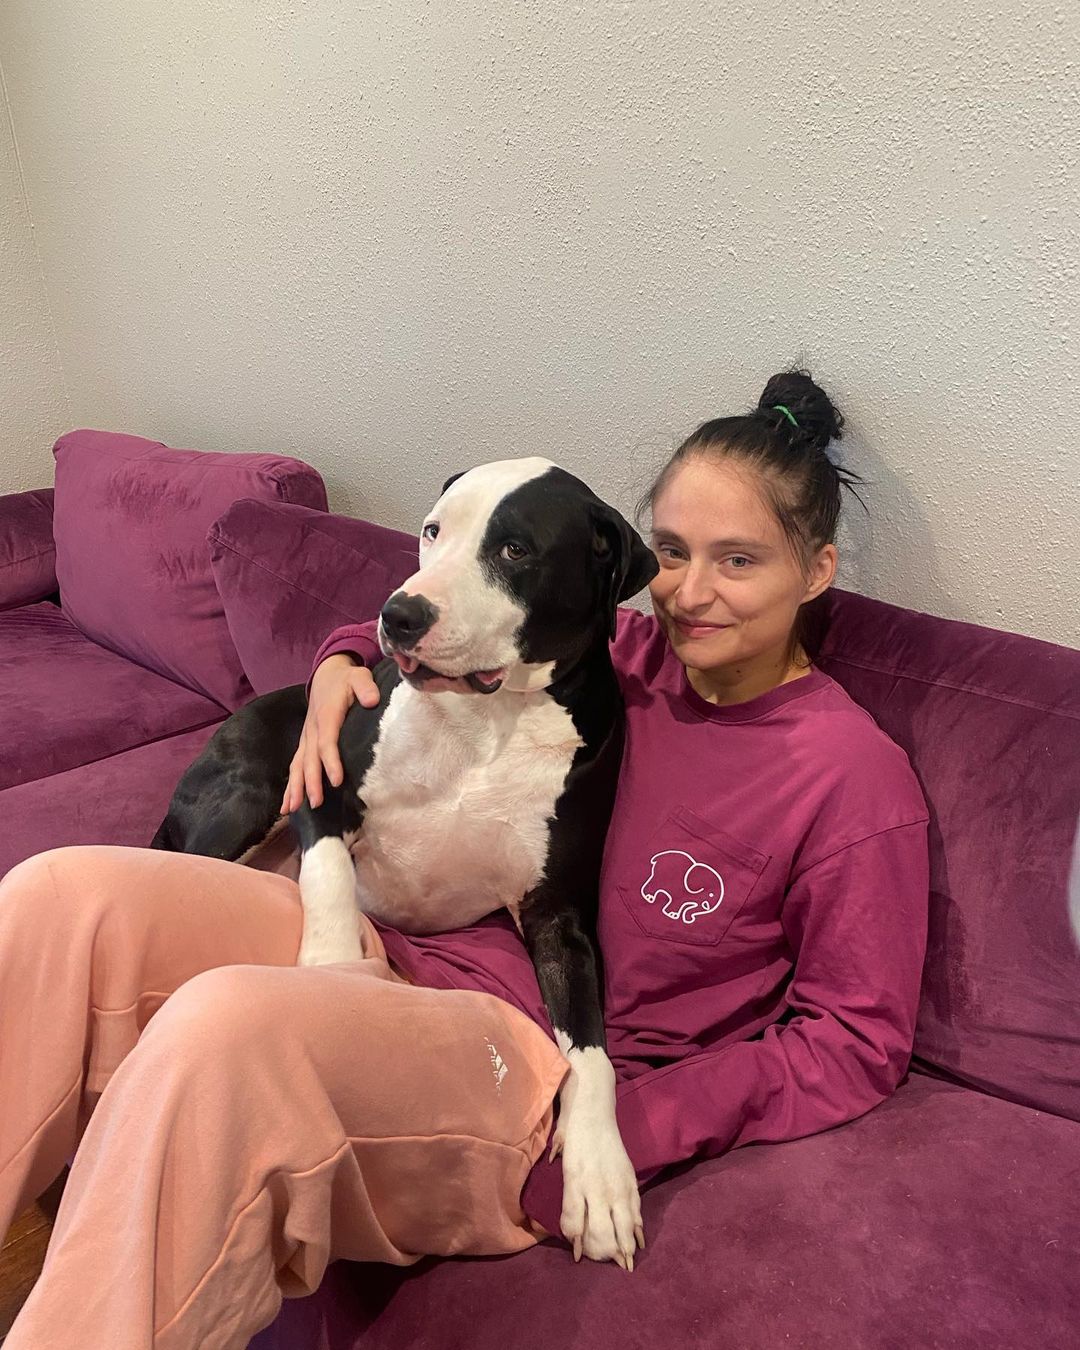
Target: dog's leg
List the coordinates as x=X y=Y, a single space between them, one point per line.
x=601 y=1214
x=327 y=879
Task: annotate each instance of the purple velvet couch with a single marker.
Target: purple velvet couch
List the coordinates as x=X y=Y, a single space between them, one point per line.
x=947 y=1217
x=116 y=661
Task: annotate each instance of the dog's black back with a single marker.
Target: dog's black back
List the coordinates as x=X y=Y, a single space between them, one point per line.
x=228 y=801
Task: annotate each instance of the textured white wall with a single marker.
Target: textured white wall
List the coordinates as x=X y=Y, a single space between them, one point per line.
x=33 y=405
x=399 y=238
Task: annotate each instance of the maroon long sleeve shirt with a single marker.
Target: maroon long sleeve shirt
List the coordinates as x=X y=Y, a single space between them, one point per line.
x=763 y=910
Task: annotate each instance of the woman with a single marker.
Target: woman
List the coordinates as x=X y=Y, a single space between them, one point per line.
x=762 y=921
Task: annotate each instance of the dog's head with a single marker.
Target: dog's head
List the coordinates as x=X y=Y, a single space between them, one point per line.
x=521 y=569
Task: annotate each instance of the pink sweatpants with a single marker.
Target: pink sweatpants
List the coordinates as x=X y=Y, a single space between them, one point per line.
x=252 y=1120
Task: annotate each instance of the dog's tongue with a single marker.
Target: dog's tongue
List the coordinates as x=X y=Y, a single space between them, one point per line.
x=407 y=664
x=485 y=681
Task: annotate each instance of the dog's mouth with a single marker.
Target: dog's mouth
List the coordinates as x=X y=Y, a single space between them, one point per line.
x=434 y=681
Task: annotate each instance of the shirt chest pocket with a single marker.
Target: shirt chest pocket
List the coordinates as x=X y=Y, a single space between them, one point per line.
x=694 y=879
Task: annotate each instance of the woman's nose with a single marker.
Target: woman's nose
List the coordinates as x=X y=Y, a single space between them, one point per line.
x=695 y=590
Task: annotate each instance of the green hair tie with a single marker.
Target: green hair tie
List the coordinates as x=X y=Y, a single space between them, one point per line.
x=779 y=407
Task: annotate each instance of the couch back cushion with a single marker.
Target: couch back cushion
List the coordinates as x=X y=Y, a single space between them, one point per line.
x=27 y=551
x=991 y=723
x=288 y=576
x=132 y=559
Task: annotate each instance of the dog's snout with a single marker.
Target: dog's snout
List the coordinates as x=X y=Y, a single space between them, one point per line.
x=406 y=618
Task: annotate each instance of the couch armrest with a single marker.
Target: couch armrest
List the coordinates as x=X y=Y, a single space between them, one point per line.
x=27 y=551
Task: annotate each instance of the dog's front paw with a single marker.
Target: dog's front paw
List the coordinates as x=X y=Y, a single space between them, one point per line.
x=601 y=1212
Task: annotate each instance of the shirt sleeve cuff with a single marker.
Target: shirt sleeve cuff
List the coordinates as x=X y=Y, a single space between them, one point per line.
x=355 y=642
x=541 y=1198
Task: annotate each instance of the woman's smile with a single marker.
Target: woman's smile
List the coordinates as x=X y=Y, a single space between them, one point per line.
x=697 y=628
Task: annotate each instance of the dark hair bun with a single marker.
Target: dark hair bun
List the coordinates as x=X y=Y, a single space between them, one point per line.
x=819 y=422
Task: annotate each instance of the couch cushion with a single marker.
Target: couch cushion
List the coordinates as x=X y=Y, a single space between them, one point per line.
x=289 y=576
x=132 y=560
x=991 y=722
x=27 y=552
x=938 y=1219
x=119 y=800
x=66 y=701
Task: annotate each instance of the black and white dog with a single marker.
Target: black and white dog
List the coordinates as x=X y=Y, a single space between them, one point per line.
x=485 y=777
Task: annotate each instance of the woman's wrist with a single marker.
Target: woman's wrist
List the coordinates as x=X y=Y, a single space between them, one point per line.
x=341 y=659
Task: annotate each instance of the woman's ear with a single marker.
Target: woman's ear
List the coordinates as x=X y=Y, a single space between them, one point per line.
x=822 y=572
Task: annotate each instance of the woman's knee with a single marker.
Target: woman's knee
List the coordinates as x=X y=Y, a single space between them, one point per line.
x=71 y=885
x=230 y=1012
x=43 y=881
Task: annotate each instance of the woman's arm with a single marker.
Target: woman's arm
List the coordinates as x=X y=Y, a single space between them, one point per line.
x=856 y=924
x=338 y=678
x=359 y=640
x=339 y=675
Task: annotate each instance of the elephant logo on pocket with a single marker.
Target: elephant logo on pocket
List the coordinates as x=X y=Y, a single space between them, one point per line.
x=687 y=888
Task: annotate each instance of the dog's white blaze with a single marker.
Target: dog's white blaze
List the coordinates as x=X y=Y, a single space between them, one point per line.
x=477 y=617
x=458 y=799
x=327 y=891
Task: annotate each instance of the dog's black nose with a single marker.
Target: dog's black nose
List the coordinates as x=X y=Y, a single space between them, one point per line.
x=406 y=618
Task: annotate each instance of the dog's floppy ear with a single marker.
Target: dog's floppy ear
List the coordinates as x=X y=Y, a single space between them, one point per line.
x=452 y=480
x=629 y=564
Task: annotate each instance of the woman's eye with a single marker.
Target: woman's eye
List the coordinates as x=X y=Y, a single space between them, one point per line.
x=430 y=531
x=513 y=552
x=670 y=552
x=740 y=563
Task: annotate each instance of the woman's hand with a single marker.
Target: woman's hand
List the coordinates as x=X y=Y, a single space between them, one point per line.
x=335 y=685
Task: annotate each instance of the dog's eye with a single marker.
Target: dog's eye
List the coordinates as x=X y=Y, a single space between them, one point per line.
x=513 y=552
x=430 y=531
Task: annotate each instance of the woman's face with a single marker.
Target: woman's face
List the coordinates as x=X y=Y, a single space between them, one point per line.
x=729 y=586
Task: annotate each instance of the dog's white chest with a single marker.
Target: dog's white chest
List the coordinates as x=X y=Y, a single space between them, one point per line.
x=458 y=800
